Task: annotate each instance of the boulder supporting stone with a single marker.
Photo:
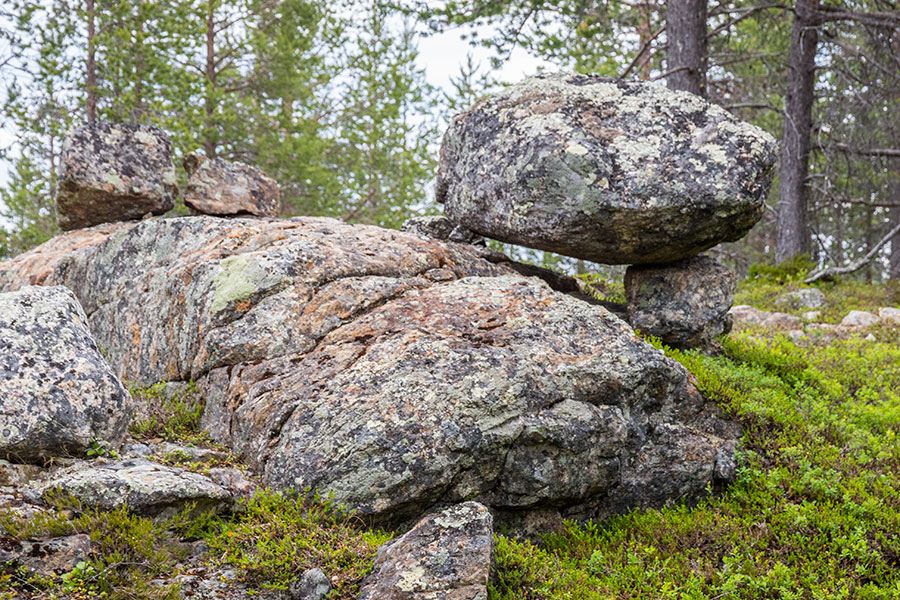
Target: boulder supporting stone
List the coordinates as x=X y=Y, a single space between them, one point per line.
x=445 y=556
x=616 y=172
x=685 y=304
x=114 y=172
x=58 y=392
x=220 y=187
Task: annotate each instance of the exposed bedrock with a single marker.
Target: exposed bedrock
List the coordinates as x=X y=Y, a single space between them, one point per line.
x=395 y=371
x=616 y=172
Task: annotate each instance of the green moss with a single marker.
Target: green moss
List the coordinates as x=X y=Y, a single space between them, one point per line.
x=814 y=512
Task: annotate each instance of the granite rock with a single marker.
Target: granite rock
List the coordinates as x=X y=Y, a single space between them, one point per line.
x=114 y=172
x=445 y=556
x=220 y=187
x=611 y=171
x=685 y=303
x=58 y=392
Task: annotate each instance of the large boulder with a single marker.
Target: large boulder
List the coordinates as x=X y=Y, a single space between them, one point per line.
x=114 y=172
x=395 y=371
x=684 y=303
x=445 y=556
x=58 y=392
x=220 y=187
x=604 y=170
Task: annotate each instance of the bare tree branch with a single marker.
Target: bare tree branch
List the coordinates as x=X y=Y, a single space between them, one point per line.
x=856 y=265
x=640 y=52
x=887 y=152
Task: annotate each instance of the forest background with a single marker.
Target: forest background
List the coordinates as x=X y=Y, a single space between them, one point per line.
x=326 y=97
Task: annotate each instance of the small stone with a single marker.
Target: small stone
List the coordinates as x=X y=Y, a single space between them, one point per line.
x=859 y=318
x=114 y=172
x=685 y=304
x=313 y=585
x=744 y=315
x=445 y=556
x=812 y=315
x=220 y=187
x=805 y=298
x=796 y=334
x=889 y=314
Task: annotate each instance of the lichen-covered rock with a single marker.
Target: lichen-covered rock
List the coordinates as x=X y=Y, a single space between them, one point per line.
x=220 y=187
x=114 y=172
x=146 y=487
x=395 y=371
x=605 y=170
x=446 y=556
x=58 y=393
x=685 y=303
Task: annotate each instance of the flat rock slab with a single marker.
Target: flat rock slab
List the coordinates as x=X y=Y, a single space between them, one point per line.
x=146 y=487
x=395 y=371
x=220 y=187
x=58 y=392
x=446 y=556
x=616 y=172
x=685 y=303
x=114 y=172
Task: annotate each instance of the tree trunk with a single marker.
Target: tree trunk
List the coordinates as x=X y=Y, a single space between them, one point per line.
x=686 y=54
x=209 y=136
x=91 y=67
x=894 y=269
x=792 y=230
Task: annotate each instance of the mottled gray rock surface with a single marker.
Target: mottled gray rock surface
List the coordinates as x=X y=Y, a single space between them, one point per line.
x=313 y=585
x=859 y=318
x=446 y=556
x=45 y=557
x=220 y=187
x=605 y=170
x=395 y=371
x=114 y=172
x=441 y=228
x=685 y=303
x=146 y=487
x=743 y=314
x=58 y=392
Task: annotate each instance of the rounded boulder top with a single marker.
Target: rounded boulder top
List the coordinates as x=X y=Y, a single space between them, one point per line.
x=613 y=171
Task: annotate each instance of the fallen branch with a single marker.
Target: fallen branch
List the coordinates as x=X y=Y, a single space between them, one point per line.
x=856 y=265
